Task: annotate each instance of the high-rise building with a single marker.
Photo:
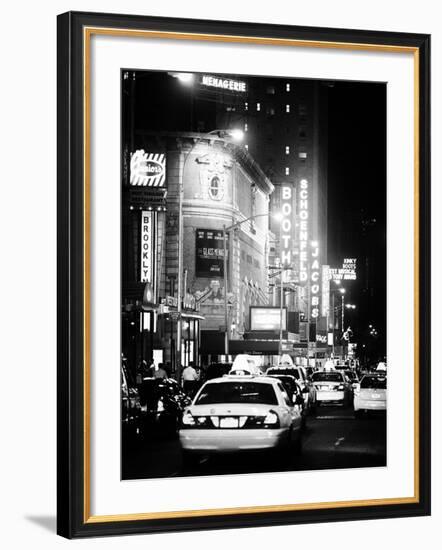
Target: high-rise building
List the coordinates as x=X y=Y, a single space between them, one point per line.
x=285 y=127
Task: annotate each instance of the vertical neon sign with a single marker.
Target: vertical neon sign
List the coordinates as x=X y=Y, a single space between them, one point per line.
x=303 y=230
x=315 y=287
x=286 y=226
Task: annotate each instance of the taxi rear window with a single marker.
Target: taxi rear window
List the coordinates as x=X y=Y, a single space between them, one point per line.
x=237 y=392
x=327 y=377
x=374 y=382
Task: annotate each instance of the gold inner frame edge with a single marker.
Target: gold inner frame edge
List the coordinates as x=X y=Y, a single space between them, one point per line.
x=87 y=34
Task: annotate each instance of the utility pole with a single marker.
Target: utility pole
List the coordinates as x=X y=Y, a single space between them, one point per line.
x=226 y=314
x=281 y=305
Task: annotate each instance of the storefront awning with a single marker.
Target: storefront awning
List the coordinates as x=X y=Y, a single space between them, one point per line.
x=192 y=316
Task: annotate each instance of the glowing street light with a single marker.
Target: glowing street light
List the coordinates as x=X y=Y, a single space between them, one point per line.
x=185 y=78
x=236 y=134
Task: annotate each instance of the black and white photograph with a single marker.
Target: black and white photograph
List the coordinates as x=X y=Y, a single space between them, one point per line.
x=253 y=274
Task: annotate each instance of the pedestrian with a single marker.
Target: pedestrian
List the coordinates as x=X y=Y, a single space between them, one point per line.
x=190 y=379
x=158 y=371
x=168 y=368
x=143 y=370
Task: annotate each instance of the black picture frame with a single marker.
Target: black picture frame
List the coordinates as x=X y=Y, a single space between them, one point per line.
x=74 y=519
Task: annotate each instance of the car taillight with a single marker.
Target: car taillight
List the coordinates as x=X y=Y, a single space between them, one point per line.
x=187 y=420
x=271 y=419
x=340 y=387
x=190 y=421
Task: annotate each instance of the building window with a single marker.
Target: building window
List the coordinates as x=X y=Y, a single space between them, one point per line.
x=271 y=90
x=258 y=106
x=302 y=109
x=287 y=87
x=287 y=150
x=246 y=127
x=214 y=189
x=287 y=108
x=246 y=147
x=271 y=111
x=249 y=259
x=287 y=171
x=246 y=106
x=302 y=156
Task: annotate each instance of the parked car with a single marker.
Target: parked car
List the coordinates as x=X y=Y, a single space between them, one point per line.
x=239 y=413
x=162 y=405
x=370 y=394
x=130 y=408
x=331 y=387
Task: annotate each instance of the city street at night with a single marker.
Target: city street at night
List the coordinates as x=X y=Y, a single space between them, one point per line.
x=333 y=438
x=253 y=305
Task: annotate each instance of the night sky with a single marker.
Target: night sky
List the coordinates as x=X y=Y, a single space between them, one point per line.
x=357 y=197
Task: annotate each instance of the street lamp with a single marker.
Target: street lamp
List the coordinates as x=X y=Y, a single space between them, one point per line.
x=226 y=230
x=184 y=78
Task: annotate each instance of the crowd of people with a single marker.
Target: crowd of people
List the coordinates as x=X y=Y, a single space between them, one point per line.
x=191 y=375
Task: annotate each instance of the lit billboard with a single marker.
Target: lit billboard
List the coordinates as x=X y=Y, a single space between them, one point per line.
x=147 y=169
x=209 y=257
x=345 y=273
x=267 y=318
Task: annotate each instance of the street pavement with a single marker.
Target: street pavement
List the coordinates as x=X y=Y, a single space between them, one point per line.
x=333 y=438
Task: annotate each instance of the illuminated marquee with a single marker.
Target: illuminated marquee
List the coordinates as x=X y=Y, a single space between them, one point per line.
x=303 y=231
x=147 y=169
x=346 y=273
x=224 y=83
x=286 y=226
x=315 y=287
x=147 y=247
